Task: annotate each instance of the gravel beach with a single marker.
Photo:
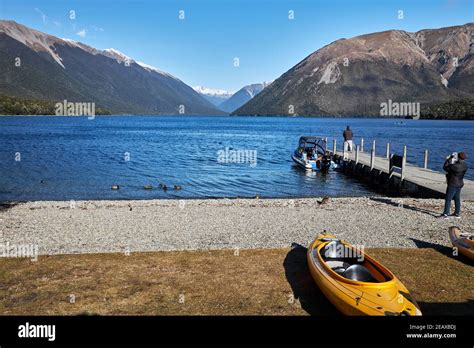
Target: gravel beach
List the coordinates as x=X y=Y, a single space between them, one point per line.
x=122 y=226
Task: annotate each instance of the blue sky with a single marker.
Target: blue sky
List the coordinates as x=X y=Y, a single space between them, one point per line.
x=200 y=49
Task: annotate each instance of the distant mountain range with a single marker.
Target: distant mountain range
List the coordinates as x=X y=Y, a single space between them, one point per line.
x=353 y=77
x=215 y=96
x=227 y=101
x=242 y=96
x=39 y=66
x=349 y=77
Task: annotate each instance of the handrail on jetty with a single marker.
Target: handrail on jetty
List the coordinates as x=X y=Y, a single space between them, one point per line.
x=392 y=171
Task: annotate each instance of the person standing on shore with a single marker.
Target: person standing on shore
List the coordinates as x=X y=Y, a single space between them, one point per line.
x=456 y=169
x=348 y=139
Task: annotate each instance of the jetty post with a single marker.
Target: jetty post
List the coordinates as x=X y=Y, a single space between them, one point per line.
x=372 y=156
x=404 y=162
x=387 y=155
x=357 y=154
x=334 y=146
x=362 y=145
x=425 y=165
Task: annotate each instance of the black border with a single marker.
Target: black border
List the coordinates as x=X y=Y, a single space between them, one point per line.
x=192 y=330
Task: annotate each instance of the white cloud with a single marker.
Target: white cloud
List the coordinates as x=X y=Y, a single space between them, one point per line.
x=43 y=16
x=82 y=33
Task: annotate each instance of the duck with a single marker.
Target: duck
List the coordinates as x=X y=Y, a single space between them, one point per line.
x=115 y=187
x=325 y=200
x=177 y=187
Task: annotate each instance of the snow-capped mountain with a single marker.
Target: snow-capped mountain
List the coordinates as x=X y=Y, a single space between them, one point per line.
x=153 y=69
x=56 y=69
x=123 y=58
x=210 y=91
x=215 y=96
x=115 y=54
x=42 y=42
x=242 y=96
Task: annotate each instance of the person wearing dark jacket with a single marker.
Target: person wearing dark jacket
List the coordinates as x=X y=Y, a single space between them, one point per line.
x=347 y=134
x=455 y=171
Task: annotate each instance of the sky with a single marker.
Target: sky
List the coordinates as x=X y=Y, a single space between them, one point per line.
x=200 y=41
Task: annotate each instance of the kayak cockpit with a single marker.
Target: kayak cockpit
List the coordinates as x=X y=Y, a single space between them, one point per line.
x=351 y=263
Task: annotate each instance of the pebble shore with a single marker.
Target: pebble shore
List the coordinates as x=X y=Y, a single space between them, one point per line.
x=130 y=226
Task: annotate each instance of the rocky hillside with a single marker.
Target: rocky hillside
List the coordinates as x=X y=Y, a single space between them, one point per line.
x=39 y=66
x=353 y=77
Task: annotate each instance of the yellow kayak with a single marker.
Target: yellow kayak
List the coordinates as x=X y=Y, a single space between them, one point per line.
x=354 y=282
x=463 y=241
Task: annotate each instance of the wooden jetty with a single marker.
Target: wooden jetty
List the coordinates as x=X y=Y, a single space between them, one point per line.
x=393 y=173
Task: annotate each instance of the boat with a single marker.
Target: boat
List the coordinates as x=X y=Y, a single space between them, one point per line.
x=312 y=154
x=464 y=242
x=354 y=282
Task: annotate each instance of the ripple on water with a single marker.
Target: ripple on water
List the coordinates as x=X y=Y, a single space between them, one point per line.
x=79 y=159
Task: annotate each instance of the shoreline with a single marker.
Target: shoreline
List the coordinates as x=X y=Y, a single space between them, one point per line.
x=365 y=117
x=77 y=227
x=5 y=204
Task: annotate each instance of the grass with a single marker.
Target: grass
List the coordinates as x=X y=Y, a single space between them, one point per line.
x=254 y=282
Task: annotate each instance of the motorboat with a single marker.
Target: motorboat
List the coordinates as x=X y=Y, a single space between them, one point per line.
x=312 y=154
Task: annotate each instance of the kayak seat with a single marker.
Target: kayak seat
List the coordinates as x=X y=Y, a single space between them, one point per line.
x=337 y=265
x=348 y=267
x=358 y=273
x=339 y=270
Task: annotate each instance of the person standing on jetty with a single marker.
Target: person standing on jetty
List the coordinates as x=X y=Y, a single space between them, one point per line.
x=456 y=169
x=348 y=139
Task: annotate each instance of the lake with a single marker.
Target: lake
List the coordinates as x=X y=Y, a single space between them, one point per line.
x=72 y=158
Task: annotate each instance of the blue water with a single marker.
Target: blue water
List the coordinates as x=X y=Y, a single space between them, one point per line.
x=77 y=158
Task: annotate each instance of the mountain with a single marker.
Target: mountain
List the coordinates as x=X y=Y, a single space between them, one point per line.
x=242 y=96
x=54 y=69
x=353 y=77
x=215 y=96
